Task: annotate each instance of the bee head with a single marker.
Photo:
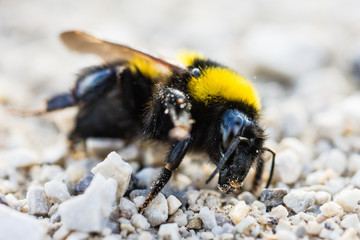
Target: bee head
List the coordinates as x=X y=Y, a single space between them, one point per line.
x=242 y=141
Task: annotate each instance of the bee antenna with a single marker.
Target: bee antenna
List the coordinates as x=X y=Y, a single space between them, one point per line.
x=228 y=153
x=272 y=164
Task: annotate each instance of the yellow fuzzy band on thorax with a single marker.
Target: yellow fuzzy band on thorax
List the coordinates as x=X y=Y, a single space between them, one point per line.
x=187 y=57
x=218 y=83
x=147 y=68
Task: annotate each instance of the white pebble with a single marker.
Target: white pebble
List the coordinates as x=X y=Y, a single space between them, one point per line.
x=169 y=231
x=247 y=226
x=129 y=152
x=350 y=220
x=239 y=212
x=207 y=216
x=322 y=197
x=56 y=191
x=285 y=235
x=139 y=201
x=331 y=209
x=157 y=211
x=20 y=157
x=145 y=236
x=349 y=199
x=279 y=212
x=102 y=146
x=350 y=233
x=37 y=201
x=127 y=208
x=313 y=227
x=139 y=221
x=179 y=218
x=147 y=176
x=299 y=200
x=115 y=167
x=90 y=211
x=335 y=160
x=288 y=166
x=354 y=163
x=19 y=226
x=355 y=180
x=173 y=204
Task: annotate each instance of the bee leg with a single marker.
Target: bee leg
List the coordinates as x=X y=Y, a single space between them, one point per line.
x=172 y=161
x=258 y=172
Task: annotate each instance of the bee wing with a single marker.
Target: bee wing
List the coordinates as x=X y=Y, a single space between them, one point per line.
x=84 y=43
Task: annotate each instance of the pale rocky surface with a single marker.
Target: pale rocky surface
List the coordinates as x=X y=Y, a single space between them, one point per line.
x=304 y=60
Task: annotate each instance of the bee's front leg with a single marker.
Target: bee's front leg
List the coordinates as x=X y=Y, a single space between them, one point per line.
x=173 y=160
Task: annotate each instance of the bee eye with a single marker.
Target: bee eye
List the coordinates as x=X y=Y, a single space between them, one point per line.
x=195 y=72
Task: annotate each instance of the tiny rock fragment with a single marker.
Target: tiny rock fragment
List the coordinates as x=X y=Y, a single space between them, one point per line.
x=248 y=226
x=195 y=223
x=349 y=200
x=146 y=176
x=273 y=197
x=331 y=209
x=56 y=191
x=207 y=217
x=37 y=201
x=322 y=197
x=350 y=220
x=90 y=211
x=173 y=204
x=299 y=200
x=288 y=166
x=102 y=146
x=157 y=211
x=169 y=231
x=285 y=235
x=313 y=227
x=179 y=218
x=115 y=167
x=279 y=212
x=239 y=212
x=19 y=226
x=127 y=208
x=145 y=236
x=139 y=221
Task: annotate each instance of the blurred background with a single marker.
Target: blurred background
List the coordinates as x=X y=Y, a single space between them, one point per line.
x=304 y=57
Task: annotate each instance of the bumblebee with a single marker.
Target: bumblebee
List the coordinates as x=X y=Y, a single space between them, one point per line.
x=195 y=105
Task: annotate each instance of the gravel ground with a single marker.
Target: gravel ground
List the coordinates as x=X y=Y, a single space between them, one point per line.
x=305 y=61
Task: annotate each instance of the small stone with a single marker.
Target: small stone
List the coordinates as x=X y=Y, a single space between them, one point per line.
x=169 y=231
x=83 y=184
x=350 y=233
x=320 y=177
x=322 y=197
x=21 y=157
x=179 y=218
x=350 y=220
x=335 y=160
x=37 y=201
x=125 y=225
x=331 y=209
x=127 y=208
x=288 y=166
x=279 y=212
x=173 y=204
x=349 y=200
x=56 y=191
x=331 y=230
x=145 y=236
x=139 y=221
x=299 y=200
x=130 y=152
x=139 y=201
x=355 y=180
x=61 y=233
x=102 y=146
x=115 y=167
x=195 y=223
x=313 y=228
x=273 y=197
x=157 y=211
x=354 y=163
x=77 y=236
x=146 y=176
x=90 y=211
x=285 y=235
x=19 y=226
x=248 y=197
x=207 y=235
x=76 y=172
x=248 y=226
x=207 y=217
x=239 y=212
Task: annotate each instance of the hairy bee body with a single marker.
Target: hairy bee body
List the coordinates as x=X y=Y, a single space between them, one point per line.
x=198 y=105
